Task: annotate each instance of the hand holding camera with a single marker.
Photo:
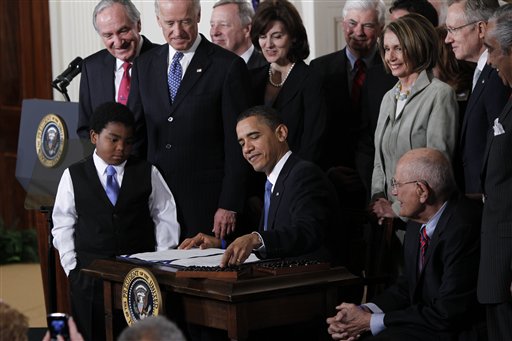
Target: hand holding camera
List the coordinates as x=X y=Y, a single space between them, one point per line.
x=62 y=327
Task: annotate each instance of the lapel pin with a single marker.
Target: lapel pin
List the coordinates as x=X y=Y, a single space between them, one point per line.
x=199 y=70
x=277 y=194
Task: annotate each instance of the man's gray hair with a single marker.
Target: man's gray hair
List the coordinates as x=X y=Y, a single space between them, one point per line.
x=478 y=10
x=433 y=167
x=195 y=3
x=502 y=18
x=131 y=11
x=364 y=5
x=245 y=10
x=154 y=328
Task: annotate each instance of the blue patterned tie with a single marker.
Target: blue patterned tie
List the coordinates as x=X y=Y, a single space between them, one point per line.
x=112 y=187
x=266 y=203
x=175 y=73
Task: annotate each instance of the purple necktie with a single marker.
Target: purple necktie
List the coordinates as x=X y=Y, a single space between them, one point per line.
x=112 y=187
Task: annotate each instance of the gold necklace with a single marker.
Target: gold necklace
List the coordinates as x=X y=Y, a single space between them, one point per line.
x=399 y=95
x=271 y=73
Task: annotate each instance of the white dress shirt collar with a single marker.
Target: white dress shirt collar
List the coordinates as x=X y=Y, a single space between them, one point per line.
x=432 y=222
x=277 y=169
x=187 y=55
x=247 y=54
x=101 y=167
x=482 y=60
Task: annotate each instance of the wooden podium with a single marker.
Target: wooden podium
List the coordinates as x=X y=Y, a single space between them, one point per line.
x=234 y=306
x=40 y=181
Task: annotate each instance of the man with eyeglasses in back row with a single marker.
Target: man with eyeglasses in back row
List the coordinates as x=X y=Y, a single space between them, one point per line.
x=466 y=23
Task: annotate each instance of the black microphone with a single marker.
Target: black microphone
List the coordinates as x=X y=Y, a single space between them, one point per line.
x=67 y=75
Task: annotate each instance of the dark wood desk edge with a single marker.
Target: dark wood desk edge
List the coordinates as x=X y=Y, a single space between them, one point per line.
x=115 y=271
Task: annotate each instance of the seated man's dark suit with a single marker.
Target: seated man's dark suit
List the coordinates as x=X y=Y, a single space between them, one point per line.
x=440 y=303
x=97 y=84
x=303 y=216
x=192 y=141
x=485 y=104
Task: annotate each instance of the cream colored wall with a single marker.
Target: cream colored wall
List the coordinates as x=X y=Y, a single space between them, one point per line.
x=72 y=33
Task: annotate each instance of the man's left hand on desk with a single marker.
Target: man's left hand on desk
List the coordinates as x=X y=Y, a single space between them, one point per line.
x=239 y=250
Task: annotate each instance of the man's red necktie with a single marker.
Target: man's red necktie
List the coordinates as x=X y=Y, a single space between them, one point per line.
x=124 y=87
x=357 y=83
x=424 y=240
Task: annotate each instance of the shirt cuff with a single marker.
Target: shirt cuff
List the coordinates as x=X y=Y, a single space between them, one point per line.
x=373 y=307
x=68 y=262
x=377 y=323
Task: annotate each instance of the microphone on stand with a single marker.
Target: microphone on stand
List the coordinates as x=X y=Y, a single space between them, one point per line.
x=62 y=81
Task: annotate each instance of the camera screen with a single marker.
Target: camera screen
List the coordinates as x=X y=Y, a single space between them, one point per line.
x=58 y=326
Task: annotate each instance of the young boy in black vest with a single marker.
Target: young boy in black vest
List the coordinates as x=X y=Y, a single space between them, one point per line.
x=106 y=205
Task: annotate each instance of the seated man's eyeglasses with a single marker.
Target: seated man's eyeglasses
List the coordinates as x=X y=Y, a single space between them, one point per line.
x=395 y=184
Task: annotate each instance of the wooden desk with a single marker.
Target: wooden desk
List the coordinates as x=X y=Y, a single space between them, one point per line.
x=235 y=306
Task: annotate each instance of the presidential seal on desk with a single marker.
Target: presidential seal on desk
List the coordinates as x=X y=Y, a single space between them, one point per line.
x=50 y=140
x=141 y=295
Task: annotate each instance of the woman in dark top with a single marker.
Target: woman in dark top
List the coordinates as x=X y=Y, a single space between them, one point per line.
x=286 y=84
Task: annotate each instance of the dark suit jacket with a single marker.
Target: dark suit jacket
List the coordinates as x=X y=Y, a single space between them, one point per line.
x=378 y=81
x=343 y=122
x=301 y=106
x=193 y=140
x=495 y=274
x=97 y=84
x=256 y=60
x=442 y=299
x=303 y=214
x=484 y=105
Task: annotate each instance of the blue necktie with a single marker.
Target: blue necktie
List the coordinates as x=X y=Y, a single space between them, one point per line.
x=112 y=187
x=266 y=203
x=175 y=73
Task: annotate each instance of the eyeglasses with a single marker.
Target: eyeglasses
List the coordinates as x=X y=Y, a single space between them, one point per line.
x=454 y=30
x=395 y=184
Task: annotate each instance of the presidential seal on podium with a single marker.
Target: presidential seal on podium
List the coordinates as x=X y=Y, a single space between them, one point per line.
x=51 y=138
x=141 y=295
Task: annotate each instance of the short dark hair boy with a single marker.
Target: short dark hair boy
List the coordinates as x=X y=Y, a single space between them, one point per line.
x=109 y=204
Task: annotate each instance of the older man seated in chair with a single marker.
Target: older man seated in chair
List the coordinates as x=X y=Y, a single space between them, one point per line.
x=435 y=298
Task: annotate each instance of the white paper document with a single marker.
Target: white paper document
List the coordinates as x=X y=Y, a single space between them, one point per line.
x=191 y=257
